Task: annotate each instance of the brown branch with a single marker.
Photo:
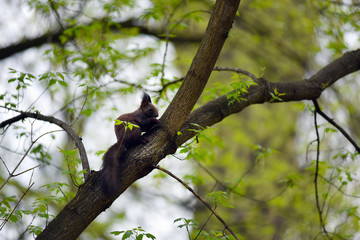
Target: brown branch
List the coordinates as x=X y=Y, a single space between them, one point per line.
x=203 y=63
x=12 y=173
x=307 y=89
x=198 y=197
x=237 y=70
x=64 y=126
x=53 y=36
x=17 y=204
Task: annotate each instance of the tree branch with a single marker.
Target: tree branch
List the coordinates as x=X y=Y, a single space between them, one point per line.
x=319 y=209
x=203 y=63
x=307 y=89
x=63 y=125
x=331 y=121
x=53 y=37
x=200 y=198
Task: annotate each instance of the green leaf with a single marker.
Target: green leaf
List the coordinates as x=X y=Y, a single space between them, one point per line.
x=60 y=75
x=116 y=233
x=149 y=235
x=52 y=81
x=127 y=235
x=63 y=83
x=14 y=218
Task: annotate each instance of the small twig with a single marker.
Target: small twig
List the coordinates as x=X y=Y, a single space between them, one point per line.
x=198 y=197
x=233 y=188
x=338 y=188
x=12 y=174
x=15 y=175
x=316 y=176
x=331 y=121
x=237 y=70
x=203 y=226
x=7 y=169
x=17 y=204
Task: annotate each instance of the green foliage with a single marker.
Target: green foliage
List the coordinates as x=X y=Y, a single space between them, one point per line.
x=198 y=233
x=220 y=198
x=135 y=233
x=234 y=91
x=127 y=125
x=276 y=96
x=40 y=153
x=6 y=209
x=73 y=163
x=103 y=55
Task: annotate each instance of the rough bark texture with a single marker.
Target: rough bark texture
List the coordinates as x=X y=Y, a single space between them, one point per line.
x=203 y=63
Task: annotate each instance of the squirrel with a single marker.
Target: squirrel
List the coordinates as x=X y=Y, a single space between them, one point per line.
x=142 y=120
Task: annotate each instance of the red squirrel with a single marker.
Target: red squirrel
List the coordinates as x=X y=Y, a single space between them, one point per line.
x=144 y=119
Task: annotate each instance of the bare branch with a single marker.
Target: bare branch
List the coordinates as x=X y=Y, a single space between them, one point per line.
x=64 y=126
x=15 y=175
x=17 y=204
x=319 y=209
x=12 y=174
x=237 y=70
x=332 y=122
x=198 y=197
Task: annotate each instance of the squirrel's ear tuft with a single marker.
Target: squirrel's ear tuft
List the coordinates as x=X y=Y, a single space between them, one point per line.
x=145 y=99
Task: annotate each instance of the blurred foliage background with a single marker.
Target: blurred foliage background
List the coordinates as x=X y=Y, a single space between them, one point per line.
x=86 y=62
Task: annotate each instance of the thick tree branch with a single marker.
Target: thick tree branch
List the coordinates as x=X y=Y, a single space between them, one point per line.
x=203 y=63
x=308 y=89
x=53 y=37
x=63 y=125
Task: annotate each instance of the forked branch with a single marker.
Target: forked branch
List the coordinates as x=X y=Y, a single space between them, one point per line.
x=63 y=125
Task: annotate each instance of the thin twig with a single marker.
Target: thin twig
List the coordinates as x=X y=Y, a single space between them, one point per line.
x=203 y=226
x=233 y=188
x=12 y=174
x=15 y=175
x=332 y=122
x=338 y=188
x=17 y=204
x=198 y=197
x=237 y=70
x=316 y=176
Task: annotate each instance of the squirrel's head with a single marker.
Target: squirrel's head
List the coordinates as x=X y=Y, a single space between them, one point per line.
x=147 y=107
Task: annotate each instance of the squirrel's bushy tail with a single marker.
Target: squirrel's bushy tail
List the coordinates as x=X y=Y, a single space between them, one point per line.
x=111 y=165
